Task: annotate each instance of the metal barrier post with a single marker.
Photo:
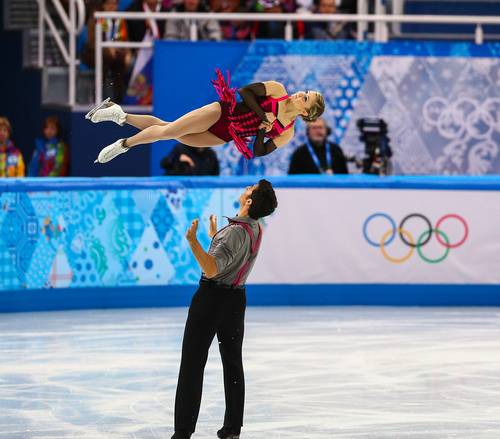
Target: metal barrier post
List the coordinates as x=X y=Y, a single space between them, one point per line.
x=41 y=33
x=98 y=61
x=479 y=34
x=288 y=31
x=193 y=30
x=379 y=25
x=362 y=25
x=72 y=54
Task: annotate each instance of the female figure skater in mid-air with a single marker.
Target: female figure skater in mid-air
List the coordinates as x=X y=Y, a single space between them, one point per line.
x=266 y=111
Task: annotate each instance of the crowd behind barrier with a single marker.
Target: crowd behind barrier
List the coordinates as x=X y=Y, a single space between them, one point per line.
x=118 y=63
x=50 y=156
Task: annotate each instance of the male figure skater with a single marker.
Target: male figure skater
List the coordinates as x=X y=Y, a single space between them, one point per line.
x=218 y=307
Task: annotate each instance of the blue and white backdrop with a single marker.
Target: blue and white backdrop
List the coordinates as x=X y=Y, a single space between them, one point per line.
x=332 y=240
x=441 y=100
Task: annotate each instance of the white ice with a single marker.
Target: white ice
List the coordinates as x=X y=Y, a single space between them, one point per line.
x=311 y=373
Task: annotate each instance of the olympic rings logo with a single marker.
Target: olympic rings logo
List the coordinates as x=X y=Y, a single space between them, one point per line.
x=409 y=240
x=464 y=118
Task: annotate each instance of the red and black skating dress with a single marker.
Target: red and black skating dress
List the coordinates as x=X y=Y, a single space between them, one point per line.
x=240 y=124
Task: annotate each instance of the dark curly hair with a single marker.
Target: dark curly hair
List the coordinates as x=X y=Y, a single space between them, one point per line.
x=264 y=200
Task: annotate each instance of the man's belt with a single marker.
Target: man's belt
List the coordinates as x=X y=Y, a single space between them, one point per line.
x=215 y=284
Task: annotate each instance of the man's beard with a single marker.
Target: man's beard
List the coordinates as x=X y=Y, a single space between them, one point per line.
x=318 y=143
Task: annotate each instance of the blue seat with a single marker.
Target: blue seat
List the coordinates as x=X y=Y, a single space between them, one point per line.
x=124 y=4
x=80 y=44
x=443 y=7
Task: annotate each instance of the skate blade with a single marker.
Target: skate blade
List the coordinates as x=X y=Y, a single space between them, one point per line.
x=97 y=107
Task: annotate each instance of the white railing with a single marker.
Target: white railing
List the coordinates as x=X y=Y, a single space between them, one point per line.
x=73 y=23
x=381 y=33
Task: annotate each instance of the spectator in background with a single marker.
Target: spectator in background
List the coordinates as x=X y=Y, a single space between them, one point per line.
x=304 y=6
x=275 y=29
x=318 y=155
x=349 y=6
x=138 y=29
x=91 y=6
x=50 y=157
x=116 y=61
x=233 y=30
x=140 y=87
x=11 y=159
x=186 y=160
x=328 y=30
x=179 y=29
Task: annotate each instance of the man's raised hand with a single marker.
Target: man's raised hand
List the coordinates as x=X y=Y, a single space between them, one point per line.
x=191 y=232
x=213 y=226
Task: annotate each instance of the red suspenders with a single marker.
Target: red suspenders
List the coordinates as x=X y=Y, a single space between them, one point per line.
x=255 y=244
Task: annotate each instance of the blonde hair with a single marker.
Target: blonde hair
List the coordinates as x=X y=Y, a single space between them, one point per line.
x=4 y=122
x=316 y=109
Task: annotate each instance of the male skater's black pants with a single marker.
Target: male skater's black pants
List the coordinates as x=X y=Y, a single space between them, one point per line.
x=221 y=311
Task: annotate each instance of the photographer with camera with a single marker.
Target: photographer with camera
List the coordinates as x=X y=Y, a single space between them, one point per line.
x=318 y=155
x=378 y=153
x=186 y=160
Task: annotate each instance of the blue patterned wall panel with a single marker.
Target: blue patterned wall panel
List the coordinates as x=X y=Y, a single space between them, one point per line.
x=108 y=238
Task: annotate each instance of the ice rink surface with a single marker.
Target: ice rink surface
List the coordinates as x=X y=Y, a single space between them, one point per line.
x=311 y=373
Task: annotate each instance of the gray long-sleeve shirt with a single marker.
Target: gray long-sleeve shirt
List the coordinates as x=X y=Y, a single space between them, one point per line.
x=180 y=29
x=231 y=248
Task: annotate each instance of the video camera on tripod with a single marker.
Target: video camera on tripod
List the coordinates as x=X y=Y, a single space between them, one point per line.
x=377 y=154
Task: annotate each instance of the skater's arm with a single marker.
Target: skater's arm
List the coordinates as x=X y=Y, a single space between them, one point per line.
x=205 y=261
x=261 y=148
x=249 y=95
x=251 y=92
x=275 y=89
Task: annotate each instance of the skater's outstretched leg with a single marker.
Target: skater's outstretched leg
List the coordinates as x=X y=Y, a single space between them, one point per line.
x=143 y=121
x=195 y=122
x=108 y=111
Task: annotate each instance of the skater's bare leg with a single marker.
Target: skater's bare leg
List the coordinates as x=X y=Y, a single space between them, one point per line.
x=196 y=121
x=109 y=111
x=143 y=121
x=201 y=139
x=190 y=129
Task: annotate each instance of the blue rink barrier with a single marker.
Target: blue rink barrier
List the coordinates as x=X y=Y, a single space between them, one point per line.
x=80 y=243
x=257 y=295
x=359 y=181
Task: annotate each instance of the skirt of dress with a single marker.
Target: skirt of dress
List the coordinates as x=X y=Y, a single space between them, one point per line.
x=226 y=128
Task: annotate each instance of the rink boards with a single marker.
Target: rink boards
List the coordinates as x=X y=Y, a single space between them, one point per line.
x=86 y=243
